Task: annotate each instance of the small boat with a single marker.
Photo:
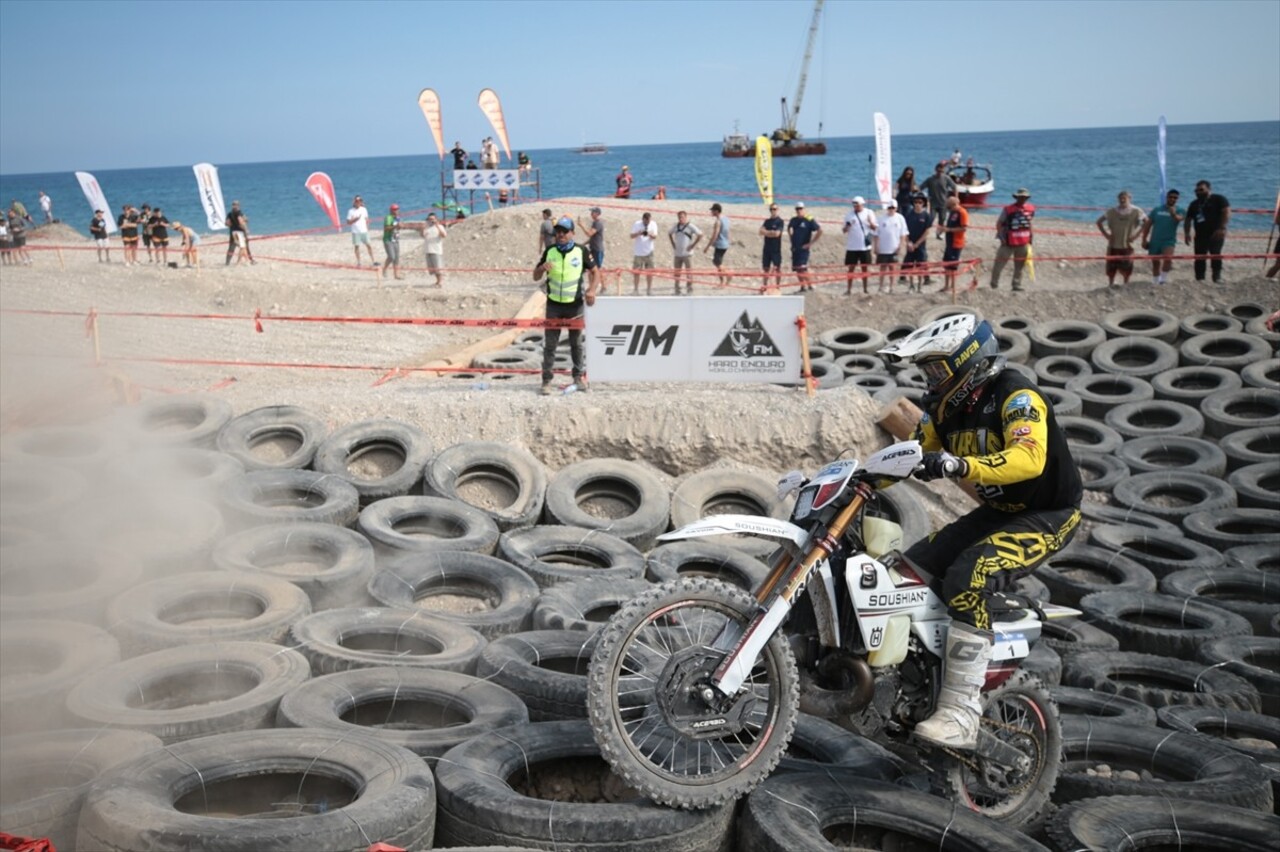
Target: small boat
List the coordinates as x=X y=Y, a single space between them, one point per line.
x=974 y=183
x=592 y=148
x=739 y=145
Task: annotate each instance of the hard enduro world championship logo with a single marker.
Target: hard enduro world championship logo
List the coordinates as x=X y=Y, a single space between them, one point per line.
x=747 y=348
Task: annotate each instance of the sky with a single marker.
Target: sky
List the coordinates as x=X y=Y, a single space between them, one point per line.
x=124 y=84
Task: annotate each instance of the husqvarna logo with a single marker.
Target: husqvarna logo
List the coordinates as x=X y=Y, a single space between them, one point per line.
x=639 y=339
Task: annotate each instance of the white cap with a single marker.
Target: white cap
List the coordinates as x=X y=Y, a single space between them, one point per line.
x=858 y=199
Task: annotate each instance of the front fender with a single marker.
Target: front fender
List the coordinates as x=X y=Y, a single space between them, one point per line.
x=739 y=525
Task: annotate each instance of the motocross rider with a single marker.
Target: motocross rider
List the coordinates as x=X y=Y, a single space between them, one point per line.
x=991 y=427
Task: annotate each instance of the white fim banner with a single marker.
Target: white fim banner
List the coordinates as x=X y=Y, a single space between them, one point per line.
x=675 y=339
x=494 y=179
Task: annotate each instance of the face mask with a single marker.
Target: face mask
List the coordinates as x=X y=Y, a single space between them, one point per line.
x=564 y=242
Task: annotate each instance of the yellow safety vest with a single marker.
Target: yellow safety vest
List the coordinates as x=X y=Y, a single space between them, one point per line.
x=564 y=278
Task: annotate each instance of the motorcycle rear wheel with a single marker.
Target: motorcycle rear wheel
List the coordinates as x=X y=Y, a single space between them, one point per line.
x=648 y=680
x=1023 y=714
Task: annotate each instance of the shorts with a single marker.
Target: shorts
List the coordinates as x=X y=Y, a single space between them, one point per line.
x=434 y=261
x=1119 y=260
x=161 y=242
x=886 y=258
x=642 y=261
x=852 y=258
x=717 y=257
x=919 y=255
x=951 y=259
x=19 y=240
x=146 y=239
x=129 y=241
x=598 y=256
x=238 y=238
x=101 y=243
x=1161 y=248
x=392 y=249
x=683 y=262
x=771 y=259
x=799 y=260
x=194 y=240
x=359 y=238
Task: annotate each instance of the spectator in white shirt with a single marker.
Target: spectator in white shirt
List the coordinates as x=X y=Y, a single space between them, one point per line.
x=859 y=234
x=643 y=234
x=358 y=219
x=890 y=239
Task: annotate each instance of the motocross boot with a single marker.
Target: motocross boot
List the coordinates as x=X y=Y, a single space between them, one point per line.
x=954 y=722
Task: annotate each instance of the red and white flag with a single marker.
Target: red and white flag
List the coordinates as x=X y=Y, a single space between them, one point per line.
x=98 y=201
x=884 y=160
x=211 y=195
x=429 y=103
x=492 y=109
x=321 y=187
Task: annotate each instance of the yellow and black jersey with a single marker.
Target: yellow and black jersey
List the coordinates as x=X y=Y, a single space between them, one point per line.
x=1018 y=456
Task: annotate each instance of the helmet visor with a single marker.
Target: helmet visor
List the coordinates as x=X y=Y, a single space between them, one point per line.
x=936 y=372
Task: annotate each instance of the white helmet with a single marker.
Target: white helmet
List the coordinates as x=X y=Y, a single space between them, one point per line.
x=956 y=354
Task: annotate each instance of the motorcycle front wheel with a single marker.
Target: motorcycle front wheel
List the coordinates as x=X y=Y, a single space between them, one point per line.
x=657 y=718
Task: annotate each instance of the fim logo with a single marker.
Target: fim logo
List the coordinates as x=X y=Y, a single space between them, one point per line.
x=639 y=339
x=747 y=339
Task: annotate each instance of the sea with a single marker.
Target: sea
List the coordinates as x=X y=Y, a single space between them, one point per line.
x=1073 y=174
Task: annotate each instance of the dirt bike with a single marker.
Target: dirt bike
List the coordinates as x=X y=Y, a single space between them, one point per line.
x=695 y=686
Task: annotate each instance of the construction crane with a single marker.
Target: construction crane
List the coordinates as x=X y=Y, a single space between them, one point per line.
x=787 y=132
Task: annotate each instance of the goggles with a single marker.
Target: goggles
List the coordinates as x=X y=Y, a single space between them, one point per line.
x=936 y=372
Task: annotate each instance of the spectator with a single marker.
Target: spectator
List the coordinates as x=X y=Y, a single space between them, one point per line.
x=127 y=222
x=594 y=231
x=804 y=232
x=1160 y=236
x=905 y=189
x=160 y=235
x=459 y=156
x=771 y=257
x=684 y=236
x=939 y=187
x=918 y=221
x=623 y=181
x=238 y=245
x=190 y=244
x=957 y=223
x=859 y=233
x=391 y=242
x=358 y=219
x=46 y=204
x=1121 y=225
x=21 y=209
x=1210 y=213
x=955 y=157
x=98 y=230
x=6 y=244
x=1275 y=267
x=471 y=166
x=434 y=234
x=144 y=224
x=489 y=153
x=564 y=264
x=643 y=234
x=523 y=161
x=1013 y=230
x=546 y=232
x=18 y=239
x=719 y=242
x=890 y=235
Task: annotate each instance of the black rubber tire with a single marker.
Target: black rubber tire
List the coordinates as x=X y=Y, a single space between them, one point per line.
x=1083 y=433
x=1207 y=323
x=1160 y=325
x=1173 y=495
x=390 y=795
x=861 y=364
x=1252 y=446
x=554 y=554
x=331 y=564
x=1181 y=766
x=1258 y=328
x=1233 y=350
x=1226 y=412
x=178 y=470
x=1043 y=663
x=875 y=384
x=1102 y=392
x=1159 y=681
x=53 y=772
x=1246 y=312
x=427 y=525
x=852 y=340
x=1158 y=551
x=1162 y=822
x=507 y=359
x=1031 y=586
x=482 y=788
x=1257 y=485
x=1015 y=346
x=177 y=421
x=826 y=374
x=1015 y=323
x=290 y=497
x=504 y=471
x=1099 y=472
x=1155 y=418
x=43 y=659
x=1104 y=514
x=1057 y=370
x=702 y=558
x=1152 y=623
x=1070 y=636
x=646 y=500
x=57 y=580
x=897 y=331
x=205 y=607
x=405 y=445
x=819 y=745
x=192 y=691
x=1080 y=570
x=275 y=436
x=1064 y=402
x=723 y=491
x=499 y=596
x=937 y=312
x=1263 y=557
x=426 y=712
x=1076 y=701
x=1192 y=384
x=584 y=605
x=1248 y=733
x=1223 y=529
x=547 y=669
x=1143 y=357
x=338 y=640
x=1263 y=374
x=1158 y=452
x=818 y=352
x=699 y=606
x=1254 y=658
x=1065 y=337
x=810 y=812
